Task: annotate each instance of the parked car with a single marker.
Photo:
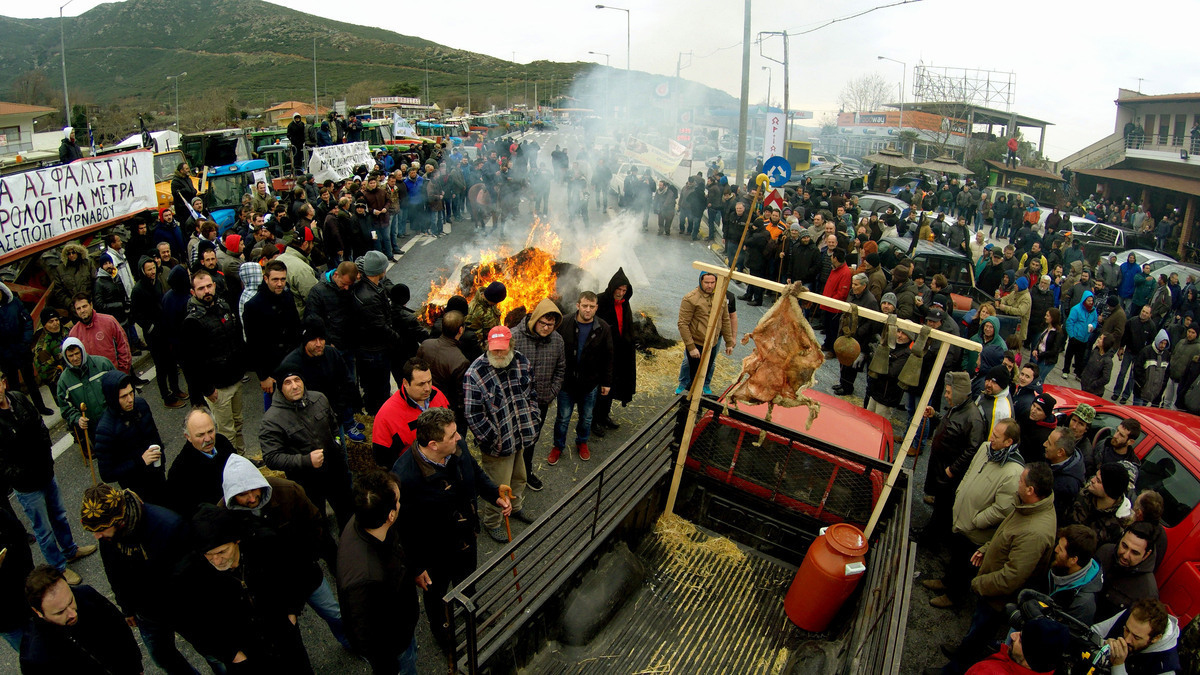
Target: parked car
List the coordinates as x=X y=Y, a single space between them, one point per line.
x=1184 y=270
x=1169 y=448
x=1102 y=238
x=1142 y=256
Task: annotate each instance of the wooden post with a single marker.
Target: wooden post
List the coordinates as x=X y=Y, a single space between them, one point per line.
x=723 y=278
x=714 y=316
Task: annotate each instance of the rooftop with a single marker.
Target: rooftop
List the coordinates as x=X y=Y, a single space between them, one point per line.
x=1160 y=98
x=960 y=110
x=1023 y=171
x=22 y=109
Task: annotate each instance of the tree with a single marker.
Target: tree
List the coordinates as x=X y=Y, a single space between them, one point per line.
x=32 y=87
x=404 y=89
x=865 y=93
x=360 y=93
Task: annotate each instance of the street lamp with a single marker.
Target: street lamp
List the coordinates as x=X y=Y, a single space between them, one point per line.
x=176 y=78
x=770 y=73
x=62 y=47
x=903 y=71
x=621 y=9
x=601 y=54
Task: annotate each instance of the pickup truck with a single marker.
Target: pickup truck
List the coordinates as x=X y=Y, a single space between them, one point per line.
x=676 y=603
x=1100 y=239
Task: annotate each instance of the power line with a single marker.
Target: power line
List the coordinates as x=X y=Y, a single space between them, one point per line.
x=852 y=16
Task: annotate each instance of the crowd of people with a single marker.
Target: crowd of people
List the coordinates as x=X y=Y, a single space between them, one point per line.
x=296 y=293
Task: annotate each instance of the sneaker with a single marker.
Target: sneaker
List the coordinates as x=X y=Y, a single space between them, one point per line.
x=708 y=392
x=524 y=516
x=82 y=552
x=584 y=453
x=1124 y=400
x=396 y=257
x=355 y=435
x=555 y=453
x=498 y=534
x=72 y=577
x=534 y=483
x=678 y=391
x=360 y=426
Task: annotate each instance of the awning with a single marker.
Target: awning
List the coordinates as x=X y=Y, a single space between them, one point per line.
x=1162 y=181
x=1023 y=171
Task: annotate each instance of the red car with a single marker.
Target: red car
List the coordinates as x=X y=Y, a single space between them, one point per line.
x=1169 y=448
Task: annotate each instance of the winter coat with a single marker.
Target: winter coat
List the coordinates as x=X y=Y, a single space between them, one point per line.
x=755 y=250
x=1018 y=304
x=619 y=316
x=392 y=432
x=1021 y=548
x=210 y=342
x=291 y=430
x=121 y=439
x=194 y=478
x=547 y=355
x=438 y=517
x=377 y=595
x=970 y=358
x=182 y=191
x=72 y=278
x=989 y=278
x=1123 y=586
x=448 y=367
x=372 y=316
x=694 y=311
x=141 y=563
x=272 y=329
x=906 y=294
x=836 y=287
x=1162 y=657
x=16 y=329
x=173 y=235
x=961 y=428
x=283 y=506
x=334 y=308
x=109 y=296
x=1143 y=290
x=26 y=457
x=410 y=331
x=995 y=408
x=1002 y=663
x=1054 y=340
x=866 y=329
x=300 y=276
x=146 y=310
x=1113 y=324
x=98 y=642
x=175 y=302
x=886 y=389
x=987 y=493
x=588 y=365
x=1137 y=335
x=1182 y=355
x=1108 y=524
x=81 y=384
x=1080 y=318
x=103 y=336
x=1076 y=593
x=327 y=373
x=501 y=406
x=1152 y=368
x=1070 y=475
x=1129 y=279
x=1097 y=371
x=18 y=563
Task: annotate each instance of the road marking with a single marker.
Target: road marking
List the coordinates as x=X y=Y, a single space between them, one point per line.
x=63 y=443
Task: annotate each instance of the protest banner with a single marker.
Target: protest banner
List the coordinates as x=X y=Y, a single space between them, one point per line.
x=337 y=162
x=39 y=209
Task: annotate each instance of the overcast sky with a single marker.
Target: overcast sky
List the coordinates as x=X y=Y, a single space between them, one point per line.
x=1069 y=58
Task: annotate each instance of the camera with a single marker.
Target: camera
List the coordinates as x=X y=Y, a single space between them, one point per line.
x=1086 y=652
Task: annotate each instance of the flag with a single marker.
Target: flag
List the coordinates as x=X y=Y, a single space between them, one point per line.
x=92 y=138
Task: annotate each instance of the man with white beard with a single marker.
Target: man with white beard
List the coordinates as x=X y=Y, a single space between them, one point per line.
x=502 y=412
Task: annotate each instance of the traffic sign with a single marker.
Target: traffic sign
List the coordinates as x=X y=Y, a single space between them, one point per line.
x=774 y=198
x=778 y=170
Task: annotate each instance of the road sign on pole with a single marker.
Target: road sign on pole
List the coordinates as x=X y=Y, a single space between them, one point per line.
x=778 y=170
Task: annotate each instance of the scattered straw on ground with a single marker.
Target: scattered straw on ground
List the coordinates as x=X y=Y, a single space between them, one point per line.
x=658 y=371
x=780 y=662
x=685 y=542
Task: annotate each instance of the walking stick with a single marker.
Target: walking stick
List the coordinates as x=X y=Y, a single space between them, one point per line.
x=506 y=492
x=87 y=446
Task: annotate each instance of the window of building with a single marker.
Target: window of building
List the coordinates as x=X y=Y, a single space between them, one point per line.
x=1180 y=129
x=10 y=137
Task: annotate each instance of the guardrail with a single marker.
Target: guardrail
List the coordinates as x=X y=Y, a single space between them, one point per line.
x=491 y=605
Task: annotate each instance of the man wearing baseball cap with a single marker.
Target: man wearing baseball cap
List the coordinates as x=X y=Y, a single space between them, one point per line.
x=502 y=413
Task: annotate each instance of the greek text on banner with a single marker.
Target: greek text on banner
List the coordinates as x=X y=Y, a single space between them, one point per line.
x=73 y=198
x=337 y=162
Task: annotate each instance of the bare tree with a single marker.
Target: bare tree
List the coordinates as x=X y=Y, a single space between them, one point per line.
x=32 y=87
x=865 y=93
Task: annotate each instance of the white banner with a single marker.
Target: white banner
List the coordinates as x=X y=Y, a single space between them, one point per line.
x=773 y=141
x=402 y=128
x=72 y=199
x=337 y=162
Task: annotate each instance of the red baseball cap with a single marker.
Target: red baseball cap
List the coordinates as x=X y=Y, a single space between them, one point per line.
x=499 y=338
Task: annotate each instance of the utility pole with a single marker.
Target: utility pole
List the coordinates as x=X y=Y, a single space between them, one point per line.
x=62 y=44
x=316 y=106
x=468 y=85
x=787 y=116
x=742 y=118
x=679 y=63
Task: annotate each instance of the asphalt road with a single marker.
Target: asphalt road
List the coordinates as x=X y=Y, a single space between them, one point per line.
x=661 y=273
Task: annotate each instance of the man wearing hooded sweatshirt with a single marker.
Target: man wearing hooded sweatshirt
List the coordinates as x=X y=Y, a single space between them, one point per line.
x=80 y=384
x=994 y=401
x=1130 y=271
x=1143 y=639
x=989 y=334
x=960 y=428
x=538 y=339
x=1151 y=371
x=984 y=498
x=68 y=149
x=299 y=437
x=128 y=447
x=615 y=310
x=101 y=334
x=27 y=465
x=1081 y=322
x=283 y=506
x=1074 y=578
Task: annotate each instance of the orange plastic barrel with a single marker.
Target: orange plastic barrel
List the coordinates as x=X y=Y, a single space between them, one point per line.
x=831 y=571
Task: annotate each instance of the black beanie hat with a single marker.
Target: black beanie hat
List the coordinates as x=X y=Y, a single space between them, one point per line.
x=1000 y=374
x=1115 y=479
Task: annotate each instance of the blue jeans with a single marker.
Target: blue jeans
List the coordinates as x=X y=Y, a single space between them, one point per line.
x=685 y=373
x=160 y=642
x=398 y=224
x=407 y=663
x=326 y=606
x=714 y=222
x=45 y=510
x=13 y=638
x=383 y=243
x=566 y=405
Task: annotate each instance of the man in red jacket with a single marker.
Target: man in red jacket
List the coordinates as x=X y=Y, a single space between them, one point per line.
x=393 y=432
x=101 y=335
x=1034 y=650
x=838 y=288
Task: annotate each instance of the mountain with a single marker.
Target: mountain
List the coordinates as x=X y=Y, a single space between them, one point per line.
x=252 y=54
